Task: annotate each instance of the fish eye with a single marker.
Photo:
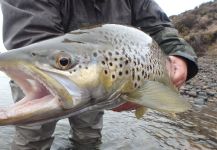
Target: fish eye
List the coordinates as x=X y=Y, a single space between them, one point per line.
x=63 y=61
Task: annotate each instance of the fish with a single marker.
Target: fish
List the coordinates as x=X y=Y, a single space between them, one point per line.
x=89 y=69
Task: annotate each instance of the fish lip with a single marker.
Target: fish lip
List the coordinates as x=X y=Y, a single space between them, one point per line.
x=28 y=77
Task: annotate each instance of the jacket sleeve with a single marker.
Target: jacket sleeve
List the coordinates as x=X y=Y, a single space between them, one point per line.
x=29 y=21
x=151 y=19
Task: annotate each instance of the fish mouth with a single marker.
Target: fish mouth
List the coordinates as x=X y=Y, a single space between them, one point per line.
x=44 y=96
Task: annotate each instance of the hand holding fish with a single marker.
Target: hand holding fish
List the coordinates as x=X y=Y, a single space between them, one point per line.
x=177 y=68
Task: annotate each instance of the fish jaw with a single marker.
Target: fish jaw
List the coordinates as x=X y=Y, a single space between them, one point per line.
x=44 y=98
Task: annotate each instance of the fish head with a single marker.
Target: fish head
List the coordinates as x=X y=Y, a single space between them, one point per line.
x=55 y=81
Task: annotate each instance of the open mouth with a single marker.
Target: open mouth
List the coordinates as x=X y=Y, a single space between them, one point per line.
x=40 y=97
x=48 y=97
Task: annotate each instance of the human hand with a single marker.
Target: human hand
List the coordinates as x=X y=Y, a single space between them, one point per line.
x=177 y=68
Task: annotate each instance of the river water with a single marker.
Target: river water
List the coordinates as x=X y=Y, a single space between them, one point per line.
x=193 y=130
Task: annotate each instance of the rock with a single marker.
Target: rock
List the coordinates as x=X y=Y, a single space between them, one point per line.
x=198 y=90
x=200 y=101
x=205 y=87
x=202 y=93
x=214 y=85
x=192 y=93
x=211 y=93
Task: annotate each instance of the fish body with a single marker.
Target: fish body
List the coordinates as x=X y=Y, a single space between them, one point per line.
x=89 y=69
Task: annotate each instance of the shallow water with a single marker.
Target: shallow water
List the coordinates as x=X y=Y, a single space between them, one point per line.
x=196 y=129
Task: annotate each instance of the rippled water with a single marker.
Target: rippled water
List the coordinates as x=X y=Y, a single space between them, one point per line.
x=193 y=130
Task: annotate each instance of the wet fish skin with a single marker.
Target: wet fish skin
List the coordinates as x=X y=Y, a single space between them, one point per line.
x=81 y=70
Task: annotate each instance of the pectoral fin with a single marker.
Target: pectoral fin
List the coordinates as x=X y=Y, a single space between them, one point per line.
x=156 y=95
x=140 y=112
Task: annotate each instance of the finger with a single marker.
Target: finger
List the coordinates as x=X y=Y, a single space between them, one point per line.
x=178 y=71
x=179 y=76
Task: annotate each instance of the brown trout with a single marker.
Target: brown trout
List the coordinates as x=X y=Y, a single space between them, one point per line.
x=86 y=70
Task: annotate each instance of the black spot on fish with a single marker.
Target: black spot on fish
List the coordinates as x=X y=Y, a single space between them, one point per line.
x=133 y=74
x=95 y=54
x=135 y=85
x=111 y=64
x=115 y=59
x=106 y=58
x=105 y=71
x=138 y=78
x=147 y=68
x=120 y=65
x=109 y=53
x=33 y=54
x=126 y=62
x=120 y=73
x=113 y=76
x=80 y=66
x=145 y=75
x=116 y=52
x=126 y=72
x=143 y=72
x=86 y=67
x=106 y=37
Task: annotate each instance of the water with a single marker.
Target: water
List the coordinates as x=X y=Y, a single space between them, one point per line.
x=194 y=130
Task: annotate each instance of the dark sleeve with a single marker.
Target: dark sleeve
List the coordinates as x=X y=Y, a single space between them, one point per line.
x=29 y=21
x=148 y=16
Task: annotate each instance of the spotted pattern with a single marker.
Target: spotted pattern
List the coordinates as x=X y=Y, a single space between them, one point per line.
x=130 y=59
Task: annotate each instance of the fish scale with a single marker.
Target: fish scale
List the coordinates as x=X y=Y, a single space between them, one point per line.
x=114 y=62
x=89 y=69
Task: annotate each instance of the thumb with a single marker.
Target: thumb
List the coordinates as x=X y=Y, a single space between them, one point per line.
x=178 y=70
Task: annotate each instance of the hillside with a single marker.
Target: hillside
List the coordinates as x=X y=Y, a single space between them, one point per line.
x=199 y=27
